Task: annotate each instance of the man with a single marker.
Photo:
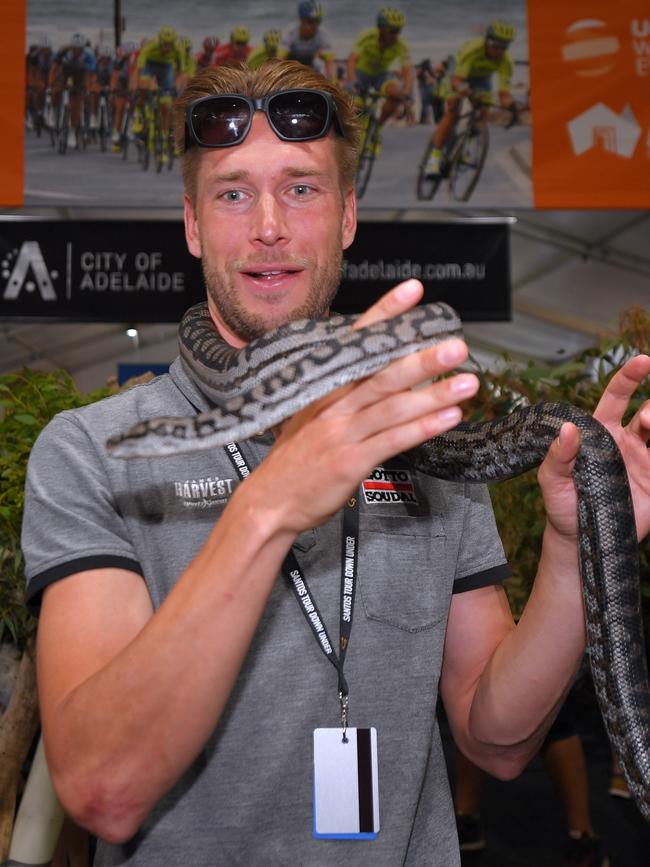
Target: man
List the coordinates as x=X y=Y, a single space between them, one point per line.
x=237 y=50
x=477 y=61
x=180 y=686
x=307 y=42
x=372 y=60
x=162 y=65
x=73 y=67
x=268 y=49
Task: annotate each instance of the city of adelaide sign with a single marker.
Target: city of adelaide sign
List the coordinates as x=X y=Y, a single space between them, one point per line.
x=141 y=271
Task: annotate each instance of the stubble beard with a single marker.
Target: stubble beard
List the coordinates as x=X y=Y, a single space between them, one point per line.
x=249 y=325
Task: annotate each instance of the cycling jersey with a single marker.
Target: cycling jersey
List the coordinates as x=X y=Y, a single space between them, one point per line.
x=260 y=55
x=473 y=64
x=306 y=50
x=84 y=61
x=373 y=59
x=152 y=53
x=104 y=72
x=225 y=54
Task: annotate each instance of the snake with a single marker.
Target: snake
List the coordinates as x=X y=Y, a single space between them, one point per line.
x=284 y=370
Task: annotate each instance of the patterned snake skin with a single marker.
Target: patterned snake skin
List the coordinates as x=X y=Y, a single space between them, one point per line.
x=283 y=371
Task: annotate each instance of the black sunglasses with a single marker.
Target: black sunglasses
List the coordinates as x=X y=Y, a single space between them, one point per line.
x=298 y=114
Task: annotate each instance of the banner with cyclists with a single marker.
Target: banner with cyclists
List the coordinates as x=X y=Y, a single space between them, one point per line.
x=590 y=65
x=442 y=86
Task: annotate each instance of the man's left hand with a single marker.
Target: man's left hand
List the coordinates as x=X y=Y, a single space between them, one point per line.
x=555 y=473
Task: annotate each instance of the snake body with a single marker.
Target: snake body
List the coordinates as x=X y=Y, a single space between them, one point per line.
x=283 y=371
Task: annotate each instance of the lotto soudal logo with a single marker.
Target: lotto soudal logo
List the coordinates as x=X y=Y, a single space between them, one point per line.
x=203 y=493
x=25 y=270
x=389 y=486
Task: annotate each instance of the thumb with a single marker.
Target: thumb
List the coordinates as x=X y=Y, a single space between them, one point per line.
x=563 y=451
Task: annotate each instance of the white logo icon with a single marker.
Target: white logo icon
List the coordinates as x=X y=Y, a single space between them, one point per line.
x=599 y=125
x=16 y=273
x=590 y=50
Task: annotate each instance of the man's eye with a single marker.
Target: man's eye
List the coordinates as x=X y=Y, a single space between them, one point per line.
x=233 y=196
x=302 y=190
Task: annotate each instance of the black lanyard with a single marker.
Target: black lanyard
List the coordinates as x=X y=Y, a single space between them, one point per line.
x=294 y=574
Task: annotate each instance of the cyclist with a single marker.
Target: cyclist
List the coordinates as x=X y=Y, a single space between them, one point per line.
x=373 y=57
x=476 y=62
x=37 y=69
x=101 y=81
x=307 y=42
x=74 y=62
x=237 y=50
x=161 y=64
x=122 y=79
x=205 y=56
x=267 y=50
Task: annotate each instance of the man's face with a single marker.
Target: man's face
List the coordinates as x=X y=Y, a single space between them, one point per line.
x=495 y=50
x=389 y=35
x=309 y=27
x=239 y=50
x=270 y=225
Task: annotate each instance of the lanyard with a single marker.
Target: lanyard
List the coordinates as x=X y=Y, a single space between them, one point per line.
x=294 y=574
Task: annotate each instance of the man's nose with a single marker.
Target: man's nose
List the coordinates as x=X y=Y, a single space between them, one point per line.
x=269 y=225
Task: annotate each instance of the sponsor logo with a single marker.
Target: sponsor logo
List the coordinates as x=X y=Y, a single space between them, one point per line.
x=590 y=47
x=25 y=269
x=203 y=493
x=389 y=486
x=599 y=126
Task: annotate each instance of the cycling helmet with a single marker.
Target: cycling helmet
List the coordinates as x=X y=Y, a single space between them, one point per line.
x=78 y=40
x=391 y=19
x=311 y=10
x=210 y=42
x=241 y=35
x=501 y=31
x=166 y=34
x=105 y=52
x=129 y=48
x=272 y=38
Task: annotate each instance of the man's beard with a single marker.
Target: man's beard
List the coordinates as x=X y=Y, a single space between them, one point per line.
x=248 y=325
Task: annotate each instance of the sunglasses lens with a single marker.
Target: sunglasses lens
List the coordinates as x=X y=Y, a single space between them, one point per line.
x=220 y=121
x=299 y=115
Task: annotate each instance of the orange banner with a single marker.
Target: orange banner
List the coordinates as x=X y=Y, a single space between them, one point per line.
x=590 y=97
x=12 y=102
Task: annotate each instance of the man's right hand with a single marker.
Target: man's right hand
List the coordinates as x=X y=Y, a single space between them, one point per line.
x=323 y=452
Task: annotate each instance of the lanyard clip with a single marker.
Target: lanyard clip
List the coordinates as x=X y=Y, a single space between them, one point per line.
x=344 y=698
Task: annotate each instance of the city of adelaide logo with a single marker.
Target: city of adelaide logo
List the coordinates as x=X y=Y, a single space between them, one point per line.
x=24 y=269
x=389 y=486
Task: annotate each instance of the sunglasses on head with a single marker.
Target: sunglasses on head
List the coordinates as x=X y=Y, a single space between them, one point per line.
x=298 y=114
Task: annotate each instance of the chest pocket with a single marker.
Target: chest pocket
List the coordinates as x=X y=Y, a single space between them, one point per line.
x=402 y=579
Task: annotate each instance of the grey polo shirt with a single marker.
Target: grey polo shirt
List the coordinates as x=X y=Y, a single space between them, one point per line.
x=247 y=798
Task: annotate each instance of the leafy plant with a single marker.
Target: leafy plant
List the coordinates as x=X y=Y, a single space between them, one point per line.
x=518 y=502
x=28 y=400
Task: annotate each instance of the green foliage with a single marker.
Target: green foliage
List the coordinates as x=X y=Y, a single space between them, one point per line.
x=518 y=503
x=28 y=400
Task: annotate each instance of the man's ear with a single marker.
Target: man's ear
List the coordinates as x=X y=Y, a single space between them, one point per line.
x=349 y=220
x=192 y=237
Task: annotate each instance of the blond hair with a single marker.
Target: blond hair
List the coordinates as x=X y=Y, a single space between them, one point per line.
x=271 y=76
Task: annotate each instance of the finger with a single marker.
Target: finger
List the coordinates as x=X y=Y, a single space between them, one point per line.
x=406 y=407
x=563 y=451
x=402 y=375
x=640 y=422
x=616 y=397
x=396 y=301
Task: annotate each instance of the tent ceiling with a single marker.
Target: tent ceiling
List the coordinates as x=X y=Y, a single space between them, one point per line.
x=573 y=272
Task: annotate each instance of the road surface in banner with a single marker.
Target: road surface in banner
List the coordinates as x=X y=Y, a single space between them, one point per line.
x=90 y=178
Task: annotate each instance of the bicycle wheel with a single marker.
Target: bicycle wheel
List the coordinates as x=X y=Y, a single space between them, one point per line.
x=427 y=185
x=103 y=127
x=63 y=129
x=367 y=157
x=467 y=162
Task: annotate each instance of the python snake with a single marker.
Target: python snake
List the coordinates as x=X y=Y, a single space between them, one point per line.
x=286 y=369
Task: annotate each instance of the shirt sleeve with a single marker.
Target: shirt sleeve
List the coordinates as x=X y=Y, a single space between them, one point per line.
x=481 y=559
x=71 y=519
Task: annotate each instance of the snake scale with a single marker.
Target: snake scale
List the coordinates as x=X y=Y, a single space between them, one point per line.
x=286 y=369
